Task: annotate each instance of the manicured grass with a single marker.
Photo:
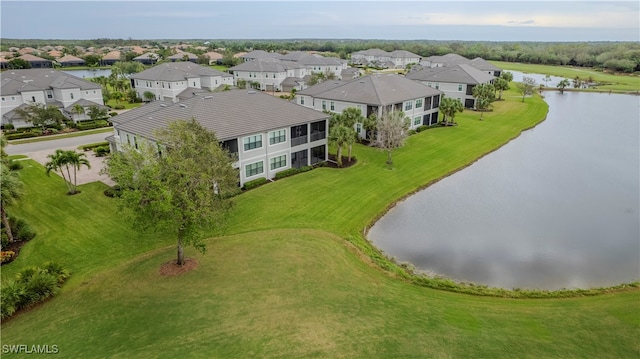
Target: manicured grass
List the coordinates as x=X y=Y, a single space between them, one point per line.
x=221 y=68
x=285 y=282
x=83 y=232
x=616 y=83
x=127 y=105
x=66 y=135
x=305 y=293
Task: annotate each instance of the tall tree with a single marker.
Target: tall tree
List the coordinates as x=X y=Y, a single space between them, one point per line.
x=181 y=184
x=64 y=162
x=11 y=188
x=41 y=115
x=546 y=80
x=339 y=135
x=562 y=84
x=351 y=116
x=149 y=96
x=450 y=107
x=526 y=86
x=97 y=113
x=500 y=85
x=391 y=131
x=485 y=94
x=507 y=76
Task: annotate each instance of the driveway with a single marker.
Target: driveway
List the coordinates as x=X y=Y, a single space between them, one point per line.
x=38 y=151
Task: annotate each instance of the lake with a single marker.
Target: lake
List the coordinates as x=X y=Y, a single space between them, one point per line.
x=558 y=207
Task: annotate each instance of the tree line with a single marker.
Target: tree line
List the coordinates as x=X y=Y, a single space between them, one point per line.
x=614 y=56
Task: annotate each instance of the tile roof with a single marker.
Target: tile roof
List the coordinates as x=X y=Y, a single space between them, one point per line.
x=17 y=81
x=70 y=58
x=461 y=74
x=379 y=89
x=268 y=64
x=181 y=55
x=84 y=103
x=259 y=54
x=230 y=114
x=177 y=71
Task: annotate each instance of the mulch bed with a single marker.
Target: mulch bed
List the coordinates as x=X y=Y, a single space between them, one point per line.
x=171 y=268
x=332 y=162
x=15 y=247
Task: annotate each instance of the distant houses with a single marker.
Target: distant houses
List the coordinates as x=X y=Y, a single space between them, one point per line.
x=397 y=59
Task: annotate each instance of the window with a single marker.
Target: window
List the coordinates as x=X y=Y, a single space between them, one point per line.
x=459 y=87
x=4 y=99
x=437 y=86
x=252 y=142
x=358 y=127
x=94 y=92
x=302 y=100
x=429 y=84
x=333 y=105
x=86 y=92
x=33 y=99
x=408 y=105
x=13 y=98
x=418 y=103
x=416 y=121
x=71 y=95
x=135 y=141
x=254 y=169
x=278 y=162
x=277 y=137
x=324 y=105
x=169 y=84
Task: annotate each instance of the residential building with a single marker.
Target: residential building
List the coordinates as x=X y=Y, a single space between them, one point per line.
x=266 y=134
x=455 y=81
x=167 y=80
x=183 y=56
x=269 y=74
x=258 y=54
x=110 y=58
x=375 y=94
x=214 y=57
x=45 y=86
x=148 y=58
x=449 y=60
x=398 y=59
x=36 y=62
x=70 y=60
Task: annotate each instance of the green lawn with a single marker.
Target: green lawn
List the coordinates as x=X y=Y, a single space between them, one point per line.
x=616 y=83
x=284 y=282
x=127 y=106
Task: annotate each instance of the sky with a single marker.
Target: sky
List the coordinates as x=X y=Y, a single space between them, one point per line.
x=548 y=21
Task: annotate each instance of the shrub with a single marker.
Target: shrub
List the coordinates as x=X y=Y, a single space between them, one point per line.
x=8 y=126
x=11 y=298
x=4 y=239
x=40 y=286
x=113 y=113
x=422 y=128
x=286 y=173
x=21 y=229
x=32 y=285
x=119 y=107
x=16 y=136
x=412 y=132
x=112 y=192
x=15 y=165
x=255 y=183
x=92 y=146
x=102 y=151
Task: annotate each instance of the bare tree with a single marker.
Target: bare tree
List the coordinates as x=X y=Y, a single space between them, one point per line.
x=391 y=131
x=526 y=86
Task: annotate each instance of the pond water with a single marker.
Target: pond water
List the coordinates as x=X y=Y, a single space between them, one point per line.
x=558 y=207
x=89 y=73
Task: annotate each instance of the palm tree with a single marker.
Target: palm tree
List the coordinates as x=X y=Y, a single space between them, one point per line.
x=546 y=80
x=562 y=84
x=10 y=191
x=339 y=135
x=64 y=161
x=351 y=116
x=500 y=85
x=449 y=107
x=78 y=110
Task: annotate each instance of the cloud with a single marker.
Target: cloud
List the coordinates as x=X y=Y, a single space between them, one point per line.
x=525 y=22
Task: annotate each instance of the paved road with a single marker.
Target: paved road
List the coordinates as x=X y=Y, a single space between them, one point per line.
x=39 y=151
x=51 y=145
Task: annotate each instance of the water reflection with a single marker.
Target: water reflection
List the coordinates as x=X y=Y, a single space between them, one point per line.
x=556 y=208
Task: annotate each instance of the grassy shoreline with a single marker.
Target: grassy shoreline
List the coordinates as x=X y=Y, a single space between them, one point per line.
x=618 y=83
x=298 y=279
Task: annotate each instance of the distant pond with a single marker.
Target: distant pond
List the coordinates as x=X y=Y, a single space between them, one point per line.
x=558 y=207
x=89 y=73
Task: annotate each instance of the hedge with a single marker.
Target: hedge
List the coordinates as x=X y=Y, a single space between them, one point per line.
x=16 y=136
x=255 y=183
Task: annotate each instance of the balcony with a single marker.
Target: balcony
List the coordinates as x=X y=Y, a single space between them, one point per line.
x=296 y=141
x=320 y=135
